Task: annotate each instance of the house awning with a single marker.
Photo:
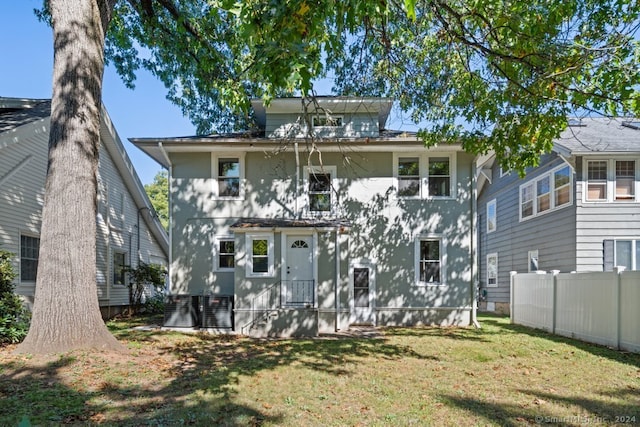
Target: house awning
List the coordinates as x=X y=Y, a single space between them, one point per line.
x=245 y=224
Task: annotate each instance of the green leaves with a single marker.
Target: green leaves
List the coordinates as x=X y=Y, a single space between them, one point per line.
x=481 y=72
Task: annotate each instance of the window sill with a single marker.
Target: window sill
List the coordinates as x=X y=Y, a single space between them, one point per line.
x=239 y=198
x=224 y=270
x=430 y=285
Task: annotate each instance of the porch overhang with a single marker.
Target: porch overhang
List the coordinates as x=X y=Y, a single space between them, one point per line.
x=252 y=224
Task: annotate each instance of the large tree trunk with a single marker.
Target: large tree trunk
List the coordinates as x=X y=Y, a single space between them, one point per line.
x=66 y=313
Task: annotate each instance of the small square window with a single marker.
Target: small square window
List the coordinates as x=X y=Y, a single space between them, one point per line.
x=326 y=120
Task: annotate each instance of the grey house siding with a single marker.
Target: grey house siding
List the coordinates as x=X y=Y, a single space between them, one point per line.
x=354 y=126
x=596 y=222
x=384 y=230
x=552 y=234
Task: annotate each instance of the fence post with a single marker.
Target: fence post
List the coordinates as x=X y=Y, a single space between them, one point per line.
x=554 y=299
x=618 y=270
x=512 y=279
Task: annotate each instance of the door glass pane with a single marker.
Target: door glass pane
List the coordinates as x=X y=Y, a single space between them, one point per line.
x=361 y=287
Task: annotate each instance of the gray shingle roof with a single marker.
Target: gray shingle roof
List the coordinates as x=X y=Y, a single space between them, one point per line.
x=601 y=135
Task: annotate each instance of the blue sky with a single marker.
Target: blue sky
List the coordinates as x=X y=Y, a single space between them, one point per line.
x=25 y=72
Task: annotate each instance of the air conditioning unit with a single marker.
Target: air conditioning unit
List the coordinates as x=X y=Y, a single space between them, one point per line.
x=217 y=311
x=181 y=311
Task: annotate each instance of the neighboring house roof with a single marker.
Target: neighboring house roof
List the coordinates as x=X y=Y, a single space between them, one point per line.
x=15 y=113
x=600 y=135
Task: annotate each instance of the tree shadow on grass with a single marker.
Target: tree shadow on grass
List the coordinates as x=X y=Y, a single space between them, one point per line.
x=504 y=326
x=197 y=384
x=592 y=411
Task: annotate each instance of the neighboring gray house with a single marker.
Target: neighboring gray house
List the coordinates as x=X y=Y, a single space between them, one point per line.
x=357 y=225
x=578 y=211
x=127 y=229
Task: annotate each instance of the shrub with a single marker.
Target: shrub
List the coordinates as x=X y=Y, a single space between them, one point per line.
x=14 y=317
x=154 y=304
x=140 y=276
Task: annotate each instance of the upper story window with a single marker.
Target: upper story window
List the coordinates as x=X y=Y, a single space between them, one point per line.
x=327 y=121
x=492 y=216
x=439 y=177
x=409 y=176
x=611 y=180
x=29 y=255
x=625 y=180
x=545 y=193
x=228 y=173
x=597 y=180
x=421 y=176
x=320 y=186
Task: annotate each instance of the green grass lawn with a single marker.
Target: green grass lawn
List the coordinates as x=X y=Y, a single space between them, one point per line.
x=501 y=374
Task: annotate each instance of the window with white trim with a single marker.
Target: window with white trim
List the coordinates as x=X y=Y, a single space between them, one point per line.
x=29 y=256
x=625 y=180
x=119 y=267
x=225 y=253
x=597 y=180
x=492 y=270
x=626 y=253
x=611 y=180
x=320 y=184
x=546 y=192
x=532 y=256
x=260 y=250
x=424 y=176
x=429 y=258
x=492 y=216
x=228 y=176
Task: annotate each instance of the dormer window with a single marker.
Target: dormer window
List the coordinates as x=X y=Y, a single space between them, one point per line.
x=327 y=121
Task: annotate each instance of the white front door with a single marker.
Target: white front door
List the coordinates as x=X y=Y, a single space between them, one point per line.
x=298 y=286
x=363 y=291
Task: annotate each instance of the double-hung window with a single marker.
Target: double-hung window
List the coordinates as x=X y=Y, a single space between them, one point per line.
x=611 y=180
x=597 y=180
x=439 y=177
x=409 y=176
x=424 y=176
x=549 y=191
x=625 y=180
x=321 y=193
x=225 y=256
x=260 y=257
x=29 y=255
x=430 y=259
x=228 y=174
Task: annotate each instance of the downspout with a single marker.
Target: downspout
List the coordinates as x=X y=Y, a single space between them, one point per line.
x=337 y=287
x=474 y=243
x=170 y=173
x=295 y=148
x=138 y=228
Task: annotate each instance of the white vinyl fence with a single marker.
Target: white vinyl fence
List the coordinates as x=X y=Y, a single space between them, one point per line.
x=602 y=307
